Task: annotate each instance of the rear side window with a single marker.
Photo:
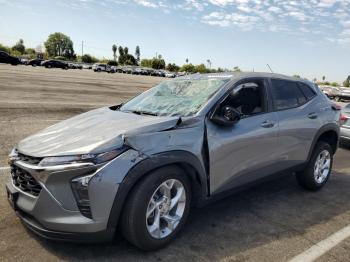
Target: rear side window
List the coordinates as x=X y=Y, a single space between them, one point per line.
x=308 y=92
x=286 y=94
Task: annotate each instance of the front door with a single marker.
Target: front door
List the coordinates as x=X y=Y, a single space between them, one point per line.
x=246 y=151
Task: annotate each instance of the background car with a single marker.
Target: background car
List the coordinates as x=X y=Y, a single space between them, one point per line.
x=345 y=124
x=55 y=64
x=170 y=74
x=8 y=59
x=99 y=67
x=35 y=62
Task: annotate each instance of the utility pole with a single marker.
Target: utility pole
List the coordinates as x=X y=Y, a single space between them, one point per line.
x=82 y=48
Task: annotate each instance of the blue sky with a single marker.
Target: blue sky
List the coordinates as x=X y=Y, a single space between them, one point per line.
x=306 y=37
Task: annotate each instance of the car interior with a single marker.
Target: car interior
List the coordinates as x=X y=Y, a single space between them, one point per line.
x=247 y=98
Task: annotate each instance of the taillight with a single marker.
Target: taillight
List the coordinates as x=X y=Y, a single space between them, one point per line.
x=342 y=119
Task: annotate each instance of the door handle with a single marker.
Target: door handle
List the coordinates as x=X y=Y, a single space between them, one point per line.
x=268 y=124
x=312 y=116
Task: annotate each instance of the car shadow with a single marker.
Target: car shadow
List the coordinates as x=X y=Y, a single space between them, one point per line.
x=248 y=220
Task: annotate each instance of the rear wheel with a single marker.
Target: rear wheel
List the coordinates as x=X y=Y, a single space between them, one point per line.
x=157 y=208
x=318 y=170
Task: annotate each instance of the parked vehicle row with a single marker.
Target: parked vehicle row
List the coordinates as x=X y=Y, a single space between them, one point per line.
x=336 y=93
x=134 y=70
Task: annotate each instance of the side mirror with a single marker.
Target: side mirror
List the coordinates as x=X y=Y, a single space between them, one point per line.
x=226 y=116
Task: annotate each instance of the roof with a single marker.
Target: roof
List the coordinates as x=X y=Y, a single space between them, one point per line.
x=238 y=75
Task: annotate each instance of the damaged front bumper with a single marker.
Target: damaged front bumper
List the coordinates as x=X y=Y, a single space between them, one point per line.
x=54 y=212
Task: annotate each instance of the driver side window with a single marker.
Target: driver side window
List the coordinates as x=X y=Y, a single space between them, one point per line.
x=248 y=98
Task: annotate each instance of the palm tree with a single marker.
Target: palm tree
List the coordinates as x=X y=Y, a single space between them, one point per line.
x=209 y=63
x=114 y=49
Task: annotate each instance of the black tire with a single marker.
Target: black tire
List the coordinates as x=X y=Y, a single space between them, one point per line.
x=133 y=221
x=306 y=178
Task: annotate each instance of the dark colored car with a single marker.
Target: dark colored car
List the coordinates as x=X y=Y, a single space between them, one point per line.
x=55 y=64
x=35 y=62
x=8 y=59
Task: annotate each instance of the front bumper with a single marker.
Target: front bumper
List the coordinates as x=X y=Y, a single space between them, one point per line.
x=34 y=225
x=54 y=213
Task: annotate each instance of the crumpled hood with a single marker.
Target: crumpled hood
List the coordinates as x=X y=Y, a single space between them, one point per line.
x=92 y=132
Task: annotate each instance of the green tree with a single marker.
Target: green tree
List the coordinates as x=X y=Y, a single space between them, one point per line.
x=88 y=59
x=346 y=83
x=237 y=69
x=334 y=84
x=114 y=49
x=58 y=44
x=296 y=76
x=4 y=48
x=158 y=63
x=112 y=63
x=121 y=51
x=126 y=50
x=30 y=51
x=186 y=60
x=187 y=68
x=173 y=67
x=200 y=69
x=146 y=62
x=19 y=47
x=137 y=54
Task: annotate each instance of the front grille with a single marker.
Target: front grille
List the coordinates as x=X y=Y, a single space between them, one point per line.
x=24 y=181
x=29 y=159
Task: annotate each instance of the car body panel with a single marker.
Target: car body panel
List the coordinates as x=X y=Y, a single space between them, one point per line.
x=93 y=132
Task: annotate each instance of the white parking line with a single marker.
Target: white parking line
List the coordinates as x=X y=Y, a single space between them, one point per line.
x=5 y=168
x=323 y=247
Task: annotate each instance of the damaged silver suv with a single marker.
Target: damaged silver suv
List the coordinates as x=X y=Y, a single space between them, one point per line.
x=143 y=164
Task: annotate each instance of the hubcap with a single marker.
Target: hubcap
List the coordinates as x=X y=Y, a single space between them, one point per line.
x=166 y=208
x=322 y=166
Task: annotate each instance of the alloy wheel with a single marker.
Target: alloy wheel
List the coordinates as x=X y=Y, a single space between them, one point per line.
x=322 y=166
x=166 y=208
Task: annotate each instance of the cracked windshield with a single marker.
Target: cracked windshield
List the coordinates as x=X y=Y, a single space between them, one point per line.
x=170 y=98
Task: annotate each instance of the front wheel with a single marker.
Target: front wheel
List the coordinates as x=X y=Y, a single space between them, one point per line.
x=157 y=208
x=318 y=170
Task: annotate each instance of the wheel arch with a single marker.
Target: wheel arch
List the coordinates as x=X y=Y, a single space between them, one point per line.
x=329 y=134
x=185 y=160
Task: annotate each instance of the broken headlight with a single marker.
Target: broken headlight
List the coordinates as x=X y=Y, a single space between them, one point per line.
x=84 y=158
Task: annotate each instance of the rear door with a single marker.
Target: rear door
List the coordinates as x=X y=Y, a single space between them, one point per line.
x=299 y=116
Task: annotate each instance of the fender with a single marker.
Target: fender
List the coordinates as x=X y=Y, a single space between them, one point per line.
x=328 y=127
x=147 y=165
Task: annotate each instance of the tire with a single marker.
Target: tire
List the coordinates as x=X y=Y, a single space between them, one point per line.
x=137 y=227
x=309 y=178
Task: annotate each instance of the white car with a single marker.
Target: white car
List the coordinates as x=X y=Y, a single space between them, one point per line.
x=99 y=67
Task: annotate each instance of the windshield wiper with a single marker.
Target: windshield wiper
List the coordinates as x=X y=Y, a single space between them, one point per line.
x=143 y=113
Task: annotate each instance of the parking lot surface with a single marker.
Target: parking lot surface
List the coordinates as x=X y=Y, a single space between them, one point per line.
x=275 y=221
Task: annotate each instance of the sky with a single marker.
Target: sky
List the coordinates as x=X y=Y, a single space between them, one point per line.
x=310 y=38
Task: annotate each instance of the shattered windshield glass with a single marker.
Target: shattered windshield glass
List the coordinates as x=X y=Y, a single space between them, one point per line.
x=177 y=97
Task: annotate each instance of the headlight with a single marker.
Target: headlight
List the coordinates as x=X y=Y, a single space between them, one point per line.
x=85 y=158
